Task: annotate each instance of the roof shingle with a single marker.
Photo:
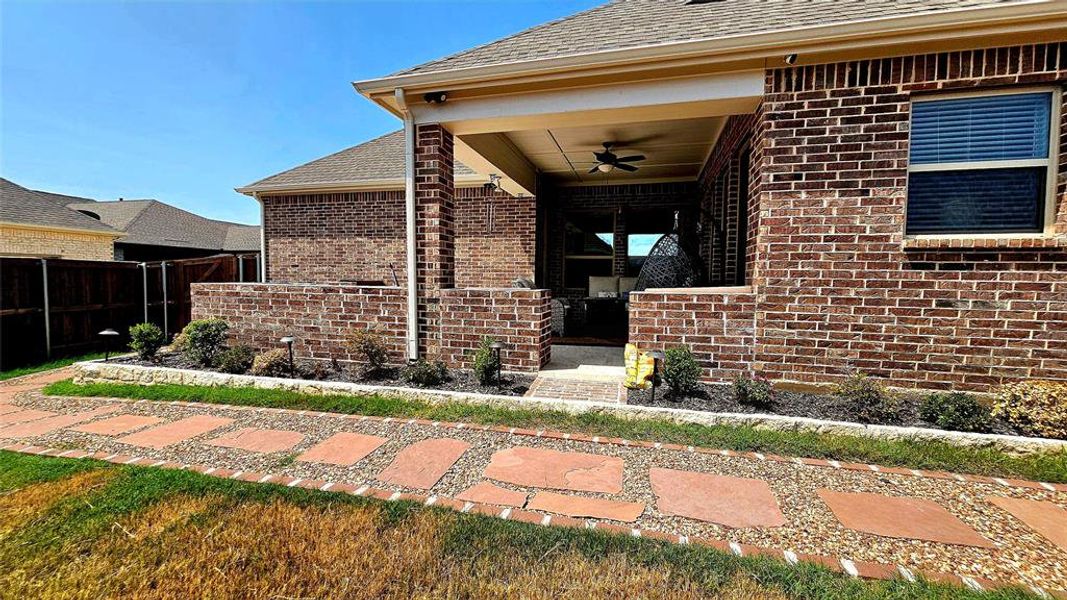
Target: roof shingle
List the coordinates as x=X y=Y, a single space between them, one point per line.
x=27 y=207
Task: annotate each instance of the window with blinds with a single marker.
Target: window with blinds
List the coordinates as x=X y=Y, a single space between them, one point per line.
x=980 y=164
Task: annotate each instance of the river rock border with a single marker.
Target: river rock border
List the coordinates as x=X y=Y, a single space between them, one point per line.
x=107 y=372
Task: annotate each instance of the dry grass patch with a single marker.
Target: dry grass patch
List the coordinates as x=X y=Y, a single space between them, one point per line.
x=20 y=506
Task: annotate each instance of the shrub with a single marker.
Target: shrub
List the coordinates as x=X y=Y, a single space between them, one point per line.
x=754 y=391
x=424 y=372
x=956 y=411
x=681 y=371
x=1034 y=407
x=369 y=346
x=146 y=339
x=203 y=340
x=272 y=363
x=866 y=397
x=236 y=360
x=486 y=363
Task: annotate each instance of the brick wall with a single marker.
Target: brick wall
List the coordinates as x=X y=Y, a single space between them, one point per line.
x=519 y=318
x=840 y=287
x=717 y=324
x=496 y=236
x=22 y=241
x=727 y=209
x=331 y=238
x=319 y=316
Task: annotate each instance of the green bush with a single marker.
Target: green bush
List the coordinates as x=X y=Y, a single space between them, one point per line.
x=369 y=347
x=425 y=373
x=146 y=339
x=867 y=398
x=681 y=371
x=956 y=411
x=1034 y=407
x=486 y=363
x=236 y=360
x=203 y=340
x=754 y=391
x=272 y=363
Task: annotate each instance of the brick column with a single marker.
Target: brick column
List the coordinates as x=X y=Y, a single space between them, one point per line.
x=435 y=229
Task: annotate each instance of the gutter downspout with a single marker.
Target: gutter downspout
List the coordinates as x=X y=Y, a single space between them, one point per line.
x=409 y=210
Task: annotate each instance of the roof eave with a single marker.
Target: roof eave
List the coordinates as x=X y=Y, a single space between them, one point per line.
x=343 y=186
x=114 y=233
x=870 y=31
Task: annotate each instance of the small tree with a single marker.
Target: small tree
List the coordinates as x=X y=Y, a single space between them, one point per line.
x=681 y=371
x=146 y=339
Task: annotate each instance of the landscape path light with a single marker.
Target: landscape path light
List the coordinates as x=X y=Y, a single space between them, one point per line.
x=108 y=335
x=288 y=341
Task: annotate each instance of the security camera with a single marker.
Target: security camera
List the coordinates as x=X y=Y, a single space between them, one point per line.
x=790 y=59
x=435 y=97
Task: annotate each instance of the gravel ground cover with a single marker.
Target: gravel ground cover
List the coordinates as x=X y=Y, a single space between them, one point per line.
x=1021 y=554
x=721 y=398
x=513 y=384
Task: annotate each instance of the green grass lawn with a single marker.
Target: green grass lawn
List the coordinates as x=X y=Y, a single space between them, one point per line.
x=90 y=529
x=48 y=366
x=1051 y=467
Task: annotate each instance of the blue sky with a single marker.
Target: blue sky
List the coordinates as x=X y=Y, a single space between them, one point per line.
x=183 y=101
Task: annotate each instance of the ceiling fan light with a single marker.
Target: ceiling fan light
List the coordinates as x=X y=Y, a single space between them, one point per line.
x=605 y=167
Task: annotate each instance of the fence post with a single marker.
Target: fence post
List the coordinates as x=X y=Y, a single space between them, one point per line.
x=166 y=321
x=47 y=311
x=144 y=280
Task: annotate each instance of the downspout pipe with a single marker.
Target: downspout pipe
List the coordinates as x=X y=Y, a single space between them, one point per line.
x=409 y=211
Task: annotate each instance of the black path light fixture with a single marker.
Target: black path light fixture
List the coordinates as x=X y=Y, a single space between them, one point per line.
x=288 y=341
x=108 y=335
x=496 y=347
x=658 y=358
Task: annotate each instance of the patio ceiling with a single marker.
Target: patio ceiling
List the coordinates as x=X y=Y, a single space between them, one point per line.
x=675 y=149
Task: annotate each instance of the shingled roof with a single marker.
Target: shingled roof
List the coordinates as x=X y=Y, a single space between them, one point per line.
x=27 y=207
x=378 y=160
x=624 y=24
x=155 y=223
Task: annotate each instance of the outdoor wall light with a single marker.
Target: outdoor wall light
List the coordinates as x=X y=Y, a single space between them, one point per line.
x=496 y=347
x=108 y=335
x=658 y=358
x=288 y=341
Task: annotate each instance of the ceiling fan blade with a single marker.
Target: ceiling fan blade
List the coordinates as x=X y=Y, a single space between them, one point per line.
x=625 y=167
x=595 y=168
x=634 y=158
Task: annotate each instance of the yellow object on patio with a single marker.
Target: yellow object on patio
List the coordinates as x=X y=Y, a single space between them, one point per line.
x=640 y=367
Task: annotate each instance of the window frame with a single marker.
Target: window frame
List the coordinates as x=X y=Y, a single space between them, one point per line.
x=607 y=257
x=1050 y=163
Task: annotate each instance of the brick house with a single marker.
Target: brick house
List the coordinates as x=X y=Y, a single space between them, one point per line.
x=856 y=185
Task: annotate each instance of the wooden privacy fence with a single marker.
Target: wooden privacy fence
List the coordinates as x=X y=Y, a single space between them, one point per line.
x=51 y=307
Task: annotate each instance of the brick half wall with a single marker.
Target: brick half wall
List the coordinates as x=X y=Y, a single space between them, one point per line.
x=717 y=324
x=519 y=318
x=320 y=317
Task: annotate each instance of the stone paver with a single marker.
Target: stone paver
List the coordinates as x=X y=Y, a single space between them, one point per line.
x=343 y=449
x=258 y=440
x=8 y=408
x=731 y=501
x=581 y=506
x=1043 y=517
x=117 y=425
x=487 y=493
x=176 y=432
x=50 y=424
x=422 y=464
x=899 y=517
x=540 y=467
x=20 y=416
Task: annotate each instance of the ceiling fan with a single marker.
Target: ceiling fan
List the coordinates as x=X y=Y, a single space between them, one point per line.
x=608 y=160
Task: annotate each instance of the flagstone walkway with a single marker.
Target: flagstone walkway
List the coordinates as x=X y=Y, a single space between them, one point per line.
x=865 y=520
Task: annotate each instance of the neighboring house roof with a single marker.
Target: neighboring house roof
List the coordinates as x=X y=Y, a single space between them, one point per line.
x=26 y=207
x=154 y=223
x=623 y=24
x=380 y=160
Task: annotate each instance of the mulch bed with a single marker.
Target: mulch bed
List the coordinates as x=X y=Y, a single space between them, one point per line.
x=721 y=398
x=513 y=384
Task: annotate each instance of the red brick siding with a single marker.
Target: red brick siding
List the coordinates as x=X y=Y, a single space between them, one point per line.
x=496 y=236
x=434 y=227
x=838 y=288
x=321 y=317
x=521 y=319
x=727 y=232
x=331 y=238
x=718 y=325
